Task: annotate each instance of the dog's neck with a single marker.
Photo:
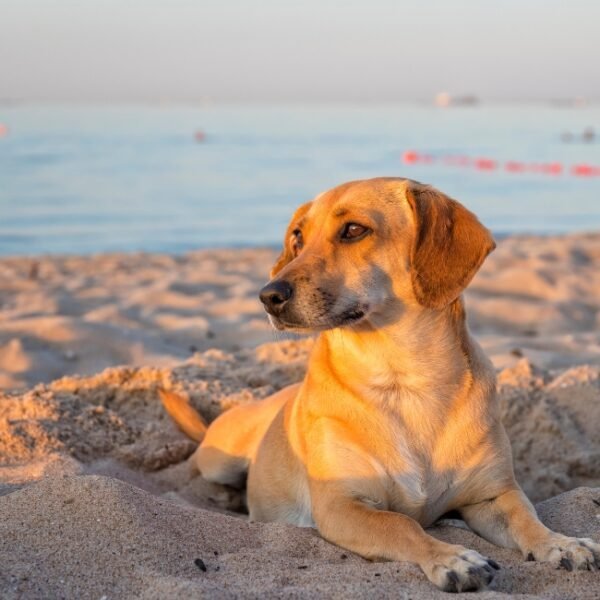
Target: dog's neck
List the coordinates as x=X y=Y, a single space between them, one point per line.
x=426 y=353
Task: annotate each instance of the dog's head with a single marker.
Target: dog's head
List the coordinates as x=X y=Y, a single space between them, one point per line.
x=364 y=251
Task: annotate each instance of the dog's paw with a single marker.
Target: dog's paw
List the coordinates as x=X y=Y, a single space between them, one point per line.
x=457 y=569
x=572 y=554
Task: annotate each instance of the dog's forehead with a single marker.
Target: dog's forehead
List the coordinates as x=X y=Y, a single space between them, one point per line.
x=382 y=193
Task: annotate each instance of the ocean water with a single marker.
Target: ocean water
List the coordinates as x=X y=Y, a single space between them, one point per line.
x=97 y=179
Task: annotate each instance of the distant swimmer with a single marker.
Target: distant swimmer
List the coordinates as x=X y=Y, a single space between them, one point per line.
x=588 y=135
x=199 y=136
x=3 y=130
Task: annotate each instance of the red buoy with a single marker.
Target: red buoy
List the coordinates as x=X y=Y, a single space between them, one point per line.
x=583 y=170
x=485 y=164
x=410 y=157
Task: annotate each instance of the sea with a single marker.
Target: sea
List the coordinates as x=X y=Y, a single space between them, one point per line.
x=171 y=178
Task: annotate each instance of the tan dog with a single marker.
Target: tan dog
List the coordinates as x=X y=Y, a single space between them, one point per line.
x=396 y=421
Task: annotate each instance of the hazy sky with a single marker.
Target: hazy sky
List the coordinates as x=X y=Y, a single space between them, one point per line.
x=314 y=50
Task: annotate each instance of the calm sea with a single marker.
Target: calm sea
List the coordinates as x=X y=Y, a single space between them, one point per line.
x=97 y=179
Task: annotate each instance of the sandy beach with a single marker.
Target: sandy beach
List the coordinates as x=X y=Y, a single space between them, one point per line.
x=537 y=297
x=97 y=499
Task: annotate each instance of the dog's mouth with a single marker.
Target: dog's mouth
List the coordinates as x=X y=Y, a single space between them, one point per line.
x=352 y=316
x=349 y=317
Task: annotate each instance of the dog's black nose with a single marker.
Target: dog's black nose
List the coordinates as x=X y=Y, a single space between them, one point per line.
x=275 y=294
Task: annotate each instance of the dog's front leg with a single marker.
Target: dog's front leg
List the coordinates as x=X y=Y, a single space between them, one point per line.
x=380 y=534
x=510 y=520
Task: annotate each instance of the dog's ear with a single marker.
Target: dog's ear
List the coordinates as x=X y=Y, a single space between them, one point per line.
x=450 y=245
x=287 y=254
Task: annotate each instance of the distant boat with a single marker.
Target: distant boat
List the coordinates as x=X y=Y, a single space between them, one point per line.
x=445 y=99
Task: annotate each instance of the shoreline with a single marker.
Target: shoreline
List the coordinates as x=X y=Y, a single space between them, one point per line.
x=499 y=236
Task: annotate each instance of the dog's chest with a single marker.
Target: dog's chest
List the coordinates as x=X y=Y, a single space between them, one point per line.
x=417 y=449
x=418 y=494
x=418 y=487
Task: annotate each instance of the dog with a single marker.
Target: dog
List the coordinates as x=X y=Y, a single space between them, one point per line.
x=396 y=422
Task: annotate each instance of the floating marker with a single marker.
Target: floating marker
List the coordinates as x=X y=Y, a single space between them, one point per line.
x=585 y=171
x=412 y=157
x=485 y=164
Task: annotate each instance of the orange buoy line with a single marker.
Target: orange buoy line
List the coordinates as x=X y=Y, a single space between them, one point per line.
x=412 y=157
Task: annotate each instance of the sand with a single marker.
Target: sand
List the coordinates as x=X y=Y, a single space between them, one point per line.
x=536 y=297
x=96 y=537
x=97 y=499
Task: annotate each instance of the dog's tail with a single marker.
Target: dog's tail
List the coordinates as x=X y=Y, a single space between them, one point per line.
x=184 y=415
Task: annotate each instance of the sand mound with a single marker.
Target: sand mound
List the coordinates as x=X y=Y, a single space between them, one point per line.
x=94 y=537
x=553 y=422
x=552 y=417
x=138 y=530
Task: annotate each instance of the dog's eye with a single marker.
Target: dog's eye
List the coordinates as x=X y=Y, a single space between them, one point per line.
x=353 y=231
x=297 y=241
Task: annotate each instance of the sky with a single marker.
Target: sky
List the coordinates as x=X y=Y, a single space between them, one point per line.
x=309 y=51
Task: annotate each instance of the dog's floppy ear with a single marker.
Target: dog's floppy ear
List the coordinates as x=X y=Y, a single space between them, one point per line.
x=450 y=245
x=287 y=254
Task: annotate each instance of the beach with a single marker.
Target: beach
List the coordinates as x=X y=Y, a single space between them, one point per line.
x=97 y=499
